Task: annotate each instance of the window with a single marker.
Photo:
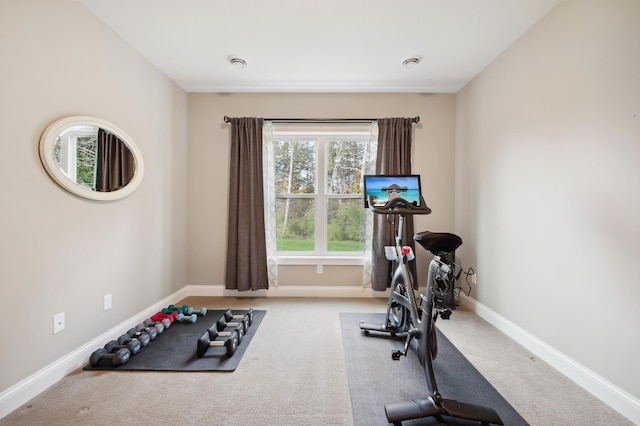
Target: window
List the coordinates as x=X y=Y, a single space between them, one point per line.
x=75 y=153
x=318 y=190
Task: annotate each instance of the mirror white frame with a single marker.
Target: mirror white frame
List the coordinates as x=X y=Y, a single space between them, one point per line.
x=48 y=140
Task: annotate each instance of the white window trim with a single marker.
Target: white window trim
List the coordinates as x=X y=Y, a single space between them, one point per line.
x=320 y=258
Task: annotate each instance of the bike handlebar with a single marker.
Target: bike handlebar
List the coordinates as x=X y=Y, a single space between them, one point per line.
x=399 y=205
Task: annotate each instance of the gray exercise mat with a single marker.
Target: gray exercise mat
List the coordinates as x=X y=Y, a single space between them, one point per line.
x=375 y=379
x=175 y=349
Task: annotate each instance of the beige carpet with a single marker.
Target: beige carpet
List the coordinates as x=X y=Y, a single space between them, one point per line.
x=294 y=373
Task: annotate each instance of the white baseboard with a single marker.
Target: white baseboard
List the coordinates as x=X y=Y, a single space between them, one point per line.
x=610 y=394
x=29 y=388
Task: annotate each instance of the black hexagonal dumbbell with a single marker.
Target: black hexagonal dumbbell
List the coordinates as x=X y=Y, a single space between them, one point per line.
x=143 y=337
x=127 y=342
x=161 y=326
x=214 y=338
x=102 y=357
x=224 y=325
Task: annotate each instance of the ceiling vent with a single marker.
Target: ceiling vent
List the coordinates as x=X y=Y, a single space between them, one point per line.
x=237 y=62
x=411 y=62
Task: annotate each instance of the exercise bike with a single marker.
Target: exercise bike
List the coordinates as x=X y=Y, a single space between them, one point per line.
x=416 y=320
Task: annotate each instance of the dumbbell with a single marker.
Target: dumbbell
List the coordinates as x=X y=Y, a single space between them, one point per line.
x=103 y=357
x=160 y=316
x=160 y=326
x=141 y=329
x=223 y=325
x=213 y=338
x=151 y=331
x=187 y=318
x=133 y=345
x=247 y=318
x=202 y=311
x=143 y=337
x=249 y=315
x=173 y=308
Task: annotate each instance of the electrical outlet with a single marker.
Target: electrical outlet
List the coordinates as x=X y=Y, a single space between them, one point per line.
x=319 y=269
x=58 y=323
x=107 y=301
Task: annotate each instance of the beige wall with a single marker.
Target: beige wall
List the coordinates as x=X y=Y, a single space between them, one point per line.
x=545 y=144
x=60 y=253
x=209 y=174
x=547 y=173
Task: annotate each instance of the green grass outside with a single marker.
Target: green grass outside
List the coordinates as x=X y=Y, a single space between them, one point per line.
x=307 y=245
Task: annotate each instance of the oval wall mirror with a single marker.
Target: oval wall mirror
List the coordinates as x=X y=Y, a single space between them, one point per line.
x=91 y=158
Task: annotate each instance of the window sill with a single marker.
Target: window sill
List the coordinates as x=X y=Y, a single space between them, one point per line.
x=321 y=260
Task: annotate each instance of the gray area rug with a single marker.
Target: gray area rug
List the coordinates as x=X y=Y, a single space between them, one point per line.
x=375 y=379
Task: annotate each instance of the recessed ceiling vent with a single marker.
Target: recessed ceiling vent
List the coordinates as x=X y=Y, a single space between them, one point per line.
x=237 y=62
x=411 y=62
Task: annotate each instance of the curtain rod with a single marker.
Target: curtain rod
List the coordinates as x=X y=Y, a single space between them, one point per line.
x=321 y=120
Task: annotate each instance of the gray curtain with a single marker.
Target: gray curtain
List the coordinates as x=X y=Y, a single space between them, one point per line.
x=115 y=164
x=393 y=158
x=246 y=249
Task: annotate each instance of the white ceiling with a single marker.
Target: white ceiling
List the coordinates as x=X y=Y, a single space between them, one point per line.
x=320 y=46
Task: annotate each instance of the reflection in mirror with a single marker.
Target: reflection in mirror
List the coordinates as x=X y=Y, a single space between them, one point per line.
x=75 y=154
x=91 y=158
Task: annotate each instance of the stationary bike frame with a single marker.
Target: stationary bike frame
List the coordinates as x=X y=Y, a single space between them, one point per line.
x=415 y=321
x=398 y=320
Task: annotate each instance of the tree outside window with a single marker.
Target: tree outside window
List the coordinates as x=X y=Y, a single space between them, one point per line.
x=76 y=156
x=319 y=200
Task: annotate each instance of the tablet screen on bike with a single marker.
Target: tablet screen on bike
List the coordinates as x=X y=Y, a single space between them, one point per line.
x=385 y=187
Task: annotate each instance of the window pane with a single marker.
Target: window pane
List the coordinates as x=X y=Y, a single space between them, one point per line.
x=346 y=164
x=295 y=166
x=87 y=147
x=345 y=227
x=295 y=224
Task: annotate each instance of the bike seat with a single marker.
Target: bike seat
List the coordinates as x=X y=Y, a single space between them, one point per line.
x=438 y=242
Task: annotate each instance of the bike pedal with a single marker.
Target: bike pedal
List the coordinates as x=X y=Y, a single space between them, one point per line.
x=395 y=355
x=446 y=314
